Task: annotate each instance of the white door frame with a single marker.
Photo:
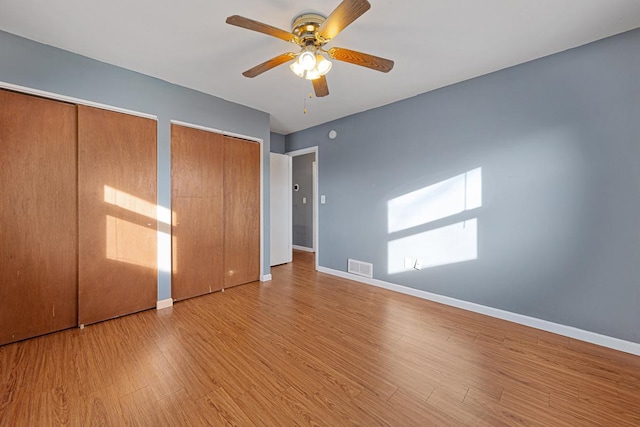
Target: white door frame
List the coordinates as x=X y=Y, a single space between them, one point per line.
x=277 y=218
x=316 y=198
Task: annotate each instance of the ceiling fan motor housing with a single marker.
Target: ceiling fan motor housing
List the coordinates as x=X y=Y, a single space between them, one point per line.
x=305 y=27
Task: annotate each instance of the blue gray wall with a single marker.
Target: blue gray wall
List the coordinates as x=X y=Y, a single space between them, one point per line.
x=302 y=215
x=558 y=141
x=277 y=143
x=34 y=65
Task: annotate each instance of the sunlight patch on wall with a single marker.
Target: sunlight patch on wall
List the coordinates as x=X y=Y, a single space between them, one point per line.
x=437 y=201
x=445 y=245
x=164 y=239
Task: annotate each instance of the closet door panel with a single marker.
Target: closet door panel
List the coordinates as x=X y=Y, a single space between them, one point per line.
x=38 y=253
x=196 y=162
x=241 y=211
x=196 y=247
x=117 y=214
x=197 y=203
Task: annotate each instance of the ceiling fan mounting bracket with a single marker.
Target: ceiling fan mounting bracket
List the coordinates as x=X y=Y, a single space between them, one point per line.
x=305 y=27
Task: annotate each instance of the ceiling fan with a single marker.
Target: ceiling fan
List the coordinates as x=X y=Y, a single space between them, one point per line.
x=311 y=31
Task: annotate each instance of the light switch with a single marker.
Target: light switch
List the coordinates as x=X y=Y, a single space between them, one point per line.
x=304 y=200
x=418 y=265
x=323 y=200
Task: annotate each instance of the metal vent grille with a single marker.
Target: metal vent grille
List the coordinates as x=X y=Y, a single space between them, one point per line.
x=360 y=268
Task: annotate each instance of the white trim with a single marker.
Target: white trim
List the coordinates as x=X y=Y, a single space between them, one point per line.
x=214 y=130
x=556 y=328
x=248 y=138
x=288 y=208
x=266 y=278
x=316 y=211
x=262 y=242
x=302 y=248
x=194 y=126
x=316 y=201
x=72 y=100
x=165 y=303
x=314 y=178
x=304 y=151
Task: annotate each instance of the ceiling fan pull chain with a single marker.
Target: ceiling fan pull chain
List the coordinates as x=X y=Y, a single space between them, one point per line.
x=304 y=111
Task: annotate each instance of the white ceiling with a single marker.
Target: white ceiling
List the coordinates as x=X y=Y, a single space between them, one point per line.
x=434 y=43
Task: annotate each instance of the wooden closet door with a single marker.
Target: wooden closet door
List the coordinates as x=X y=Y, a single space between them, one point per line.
x=241 y=211
x=197 y=205
x=117 y=214
x=38 y=253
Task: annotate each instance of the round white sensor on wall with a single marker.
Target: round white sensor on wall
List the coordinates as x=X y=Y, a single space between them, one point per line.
x=333 y=134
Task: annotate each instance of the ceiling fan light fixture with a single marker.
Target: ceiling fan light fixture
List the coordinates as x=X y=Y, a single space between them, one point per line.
x=307 y=59
x=323 y=65
x=311 y=32
x=297 y=69
x=312 y=74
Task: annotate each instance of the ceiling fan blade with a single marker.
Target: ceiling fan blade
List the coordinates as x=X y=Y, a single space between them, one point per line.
x=267 y=65
x=362 y=59
x=250 y=24
x=343 y=15
x=320 y=86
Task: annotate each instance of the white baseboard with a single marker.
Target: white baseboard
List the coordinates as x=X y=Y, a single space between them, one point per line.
x=266 y=277
x=302 y=248
x=556 y=328
x=165 y=303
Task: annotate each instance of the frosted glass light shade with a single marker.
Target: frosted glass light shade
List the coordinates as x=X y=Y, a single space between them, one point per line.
x=312 y=74
x=309 y=65
x=297 y=69
x=323 y=65
x=307 y=60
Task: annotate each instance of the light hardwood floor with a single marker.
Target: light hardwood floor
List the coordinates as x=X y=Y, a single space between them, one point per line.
x=311 y=349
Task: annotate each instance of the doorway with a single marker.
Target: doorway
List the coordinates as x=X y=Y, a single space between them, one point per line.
x=305 y=200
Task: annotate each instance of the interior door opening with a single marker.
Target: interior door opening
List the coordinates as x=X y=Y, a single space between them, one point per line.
x=305 y=201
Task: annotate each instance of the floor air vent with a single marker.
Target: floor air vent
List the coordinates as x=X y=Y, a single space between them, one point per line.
x=361 y=268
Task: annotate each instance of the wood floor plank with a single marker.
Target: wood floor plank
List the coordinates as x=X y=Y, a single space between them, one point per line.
x=362 y=369
x=101 y=408
x=595 y=411
x=179 y=409
x=221 y=409
x=265 y=410
x=344 y=410
x=310 y=349
x=140 y=408
x=402 y=409
x=464 y=414
x=192 y=372
x=320 y=372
